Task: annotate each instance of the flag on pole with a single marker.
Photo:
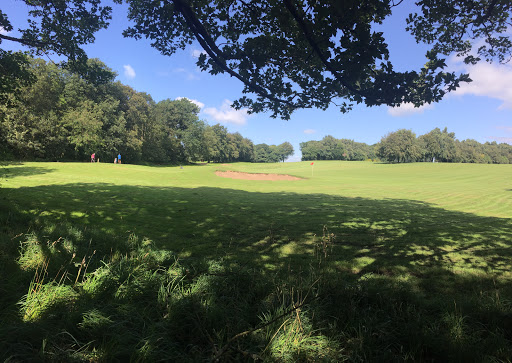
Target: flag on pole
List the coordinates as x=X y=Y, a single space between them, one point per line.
x=311 y=164
x=312 y=168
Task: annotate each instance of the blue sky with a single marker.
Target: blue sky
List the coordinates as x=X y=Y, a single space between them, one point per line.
x=481 y=110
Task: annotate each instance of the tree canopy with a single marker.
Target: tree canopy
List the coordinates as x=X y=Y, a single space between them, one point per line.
x=295 y=54
x=264 y=153
x=400 y=146
x=62 y=116
x=288 y=54
x=330 y=148
x=57 y=26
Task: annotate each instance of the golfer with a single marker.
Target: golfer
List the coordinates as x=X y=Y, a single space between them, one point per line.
x=119 y=158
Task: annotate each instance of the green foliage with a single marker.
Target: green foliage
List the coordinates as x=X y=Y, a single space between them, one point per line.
x=285 y=150
x=303 y=54
x=14 y=73
x=289 y=54
x=264 y=153
x=399 y=147
x=65 y=116
x=403 y=146
x=330 y=148
x=61 y=27
x=451 y=27
x=438 y=145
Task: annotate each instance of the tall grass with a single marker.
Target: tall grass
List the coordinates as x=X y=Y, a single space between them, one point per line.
x=142 y=303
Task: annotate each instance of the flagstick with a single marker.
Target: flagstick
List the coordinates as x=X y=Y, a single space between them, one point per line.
x=312 y=167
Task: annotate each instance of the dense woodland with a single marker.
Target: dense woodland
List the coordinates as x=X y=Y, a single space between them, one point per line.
x=60 y=115
x=403 y=146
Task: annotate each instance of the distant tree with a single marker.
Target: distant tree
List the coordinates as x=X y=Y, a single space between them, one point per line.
x=332 y=149
x=222 y=140
x=497 y=153
x=505 y=151
x=311 y=150
x=211 y=145
x=194 y=141
x=471 y=151
x=32 y=123
x=355 y=150
x=285 y=150
x=85 y=125
x=274 y=155
x=174 y=117
x=233 y=149
x=438 y=145
x=400 y=146
x=245 y=148
x=219 y=145
x=262 y=153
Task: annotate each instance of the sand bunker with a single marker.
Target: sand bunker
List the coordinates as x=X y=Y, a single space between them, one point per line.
x=249 y=176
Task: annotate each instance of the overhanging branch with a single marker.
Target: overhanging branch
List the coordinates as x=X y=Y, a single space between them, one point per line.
x=216 y=54
x=309 y=37
x=30 y=43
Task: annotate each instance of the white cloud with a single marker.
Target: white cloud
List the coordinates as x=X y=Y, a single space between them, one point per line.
x=129 y=72
x=195 y=102
x=500 y=139
x=489 y=80
x=197 y=52
x=3 y=31
x=309 y=131
x=227 y=115
x=189 y=75
x=407 y=109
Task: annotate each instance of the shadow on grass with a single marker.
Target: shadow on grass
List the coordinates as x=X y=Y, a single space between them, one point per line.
x=9 y=170
x=399 y=279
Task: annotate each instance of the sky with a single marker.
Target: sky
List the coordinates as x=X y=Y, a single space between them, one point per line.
x=480 y=110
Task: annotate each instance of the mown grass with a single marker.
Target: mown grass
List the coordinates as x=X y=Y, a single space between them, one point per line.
x=357 y=262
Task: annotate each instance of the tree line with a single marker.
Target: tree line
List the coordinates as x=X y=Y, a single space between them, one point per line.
x=63 y=115
x=402 y=146
x=330 y=148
